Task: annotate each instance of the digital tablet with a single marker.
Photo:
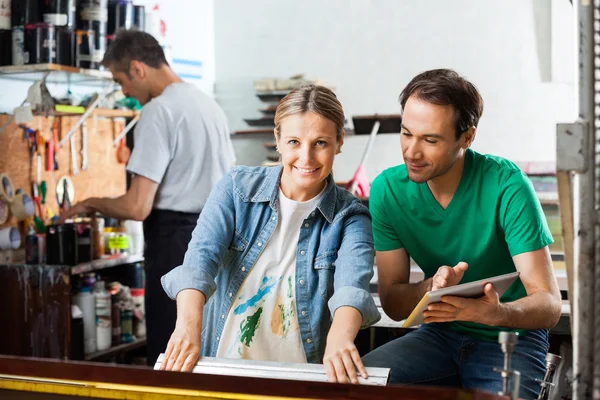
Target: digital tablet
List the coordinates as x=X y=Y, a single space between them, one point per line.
x=469 y=290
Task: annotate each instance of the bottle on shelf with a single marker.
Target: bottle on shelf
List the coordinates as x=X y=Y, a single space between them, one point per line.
x=103 y=316
x=86 y=302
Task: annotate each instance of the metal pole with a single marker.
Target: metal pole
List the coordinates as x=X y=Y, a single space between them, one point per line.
x=584 y=240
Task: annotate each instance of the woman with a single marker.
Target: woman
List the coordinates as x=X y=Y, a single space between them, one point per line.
x=277 y=253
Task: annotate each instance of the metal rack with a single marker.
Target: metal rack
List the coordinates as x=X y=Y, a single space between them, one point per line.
x=577 y=164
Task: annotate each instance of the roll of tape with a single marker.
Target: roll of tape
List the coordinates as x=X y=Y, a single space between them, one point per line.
x=9 y=238
x=22 y=206
x=7 y=192
x=4 y=210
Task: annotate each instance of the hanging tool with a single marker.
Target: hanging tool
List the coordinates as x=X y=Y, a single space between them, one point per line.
x=84 y=146
x=74 y=167
x=123 y=152
x=94 y=103
x=126 y=130
x=65 y=193
x=55 y=139
x=37 y=218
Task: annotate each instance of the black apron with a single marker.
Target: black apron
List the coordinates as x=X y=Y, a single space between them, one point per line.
x=166 y=234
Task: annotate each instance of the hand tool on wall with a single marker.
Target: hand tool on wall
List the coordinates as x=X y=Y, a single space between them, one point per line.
x=74 y=167
x=123 y=152
x=65 y=193
x=55 y=139
x=84 y=146
x=126 y=130
x=38 y=217
x=94 y=103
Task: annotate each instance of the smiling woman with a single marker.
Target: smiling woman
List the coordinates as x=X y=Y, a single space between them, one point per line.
x=267 y=249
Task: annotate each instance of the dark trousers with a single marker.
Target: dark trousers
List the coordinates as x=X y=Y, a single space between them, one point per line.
x=167 y=234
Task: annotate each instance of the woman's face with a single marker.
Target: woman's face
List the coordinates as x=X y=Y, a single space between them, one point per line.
x=307 y=144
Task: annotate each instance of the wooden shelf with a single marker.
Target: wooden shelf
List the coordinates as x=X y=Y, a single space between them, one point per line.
x=103 y=112
x=113 y=351
x=104 y=263
x=58 y=74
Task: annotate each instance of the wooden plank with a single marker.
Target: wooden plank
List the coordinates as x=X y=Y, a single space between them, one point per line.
x=566 y=215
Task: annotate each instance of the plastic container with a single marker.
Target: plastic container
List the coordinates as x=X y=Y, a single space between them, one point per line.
x=86 y=302
x=77 y=346
x=103 y=321
x=127 y=326
x=98 y=237
x=139 y=313
x=135 y=230
x=32 y=250
x=116 y=321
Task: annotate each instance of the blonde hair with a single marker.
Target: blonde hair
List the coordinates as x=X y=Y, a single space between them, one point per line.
x=314 y=98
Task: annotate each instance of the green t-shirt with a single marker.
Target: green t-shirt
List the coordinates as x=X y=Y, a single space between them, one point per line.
x=494 y=215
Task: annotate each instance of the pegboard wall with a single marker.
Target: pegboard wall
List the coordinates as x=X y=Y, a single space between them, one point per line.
x=104 y=176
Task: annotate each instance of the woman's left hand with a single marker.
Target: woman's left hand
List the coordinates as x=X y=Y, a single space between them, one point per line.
x=342 y=361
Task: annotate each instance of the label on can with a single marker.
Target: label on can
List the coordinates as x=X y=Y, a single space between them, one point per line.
x=94 y=13
x=18 y=46
x=5 y=14
x=56 y=19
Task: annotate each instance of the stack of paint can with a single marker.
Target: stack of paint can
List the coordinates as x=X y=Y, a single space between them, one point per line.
x=23 y=12
x=92 y=30
x=61 y=14
x=5 y=33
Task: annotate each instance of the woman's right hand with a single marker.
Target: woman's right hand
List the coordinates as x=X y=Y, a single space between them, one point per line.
x=183 y=349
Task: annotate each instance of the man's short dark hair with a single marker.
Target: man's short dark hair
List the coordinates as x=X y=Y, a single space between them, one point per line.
x=445 y=87
x=131 y=45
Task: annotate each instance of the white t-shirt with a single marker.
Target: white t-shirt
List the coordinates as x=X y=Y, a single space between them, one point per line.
x=182 y=143
x=262 y=323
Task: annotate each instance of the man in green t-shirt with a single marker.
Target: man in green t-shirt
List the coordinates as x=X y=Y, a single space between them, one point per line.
x=461 y=216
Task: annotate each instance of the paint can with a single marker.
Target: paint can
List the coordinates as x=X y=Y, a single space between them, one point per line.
x=139 y=17
x=5 y=33
x=25 y=12
x=93 y=16
x=120 y=16
x=40 y=43
x=56 y=12
x=65 y=46
x=10 y=239
x=84 y=49
x=19 y=57
x=5 y=47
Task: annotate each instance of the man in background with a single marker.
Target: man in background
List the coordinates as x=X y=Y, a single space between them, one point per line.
x=181 y=149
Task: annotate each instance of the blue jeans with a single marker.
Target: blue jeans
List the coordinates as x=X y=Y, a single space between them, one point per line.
x=434 y=355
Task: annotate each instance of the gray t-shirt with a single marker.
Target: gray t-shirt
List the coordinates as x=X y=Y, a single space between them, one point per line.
x=182 y=143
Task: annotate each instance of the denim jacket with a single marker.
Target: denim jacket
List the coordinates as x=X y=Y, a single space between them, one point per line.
x=334 y=260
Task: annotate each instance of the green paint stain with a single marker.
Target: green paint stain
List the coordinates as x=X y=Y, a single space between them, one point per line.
x=286 y=316
x=248 y=327
x=290 y=291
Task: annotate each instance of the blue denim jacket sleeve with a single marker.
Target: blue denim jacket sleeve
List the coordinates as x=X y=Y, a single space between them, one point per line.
x=354 y=270
x=210 y=242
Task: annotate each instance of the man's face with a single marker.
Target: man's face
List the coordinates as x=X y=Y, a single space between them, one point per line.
x=134 y=86
x=428 y=139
